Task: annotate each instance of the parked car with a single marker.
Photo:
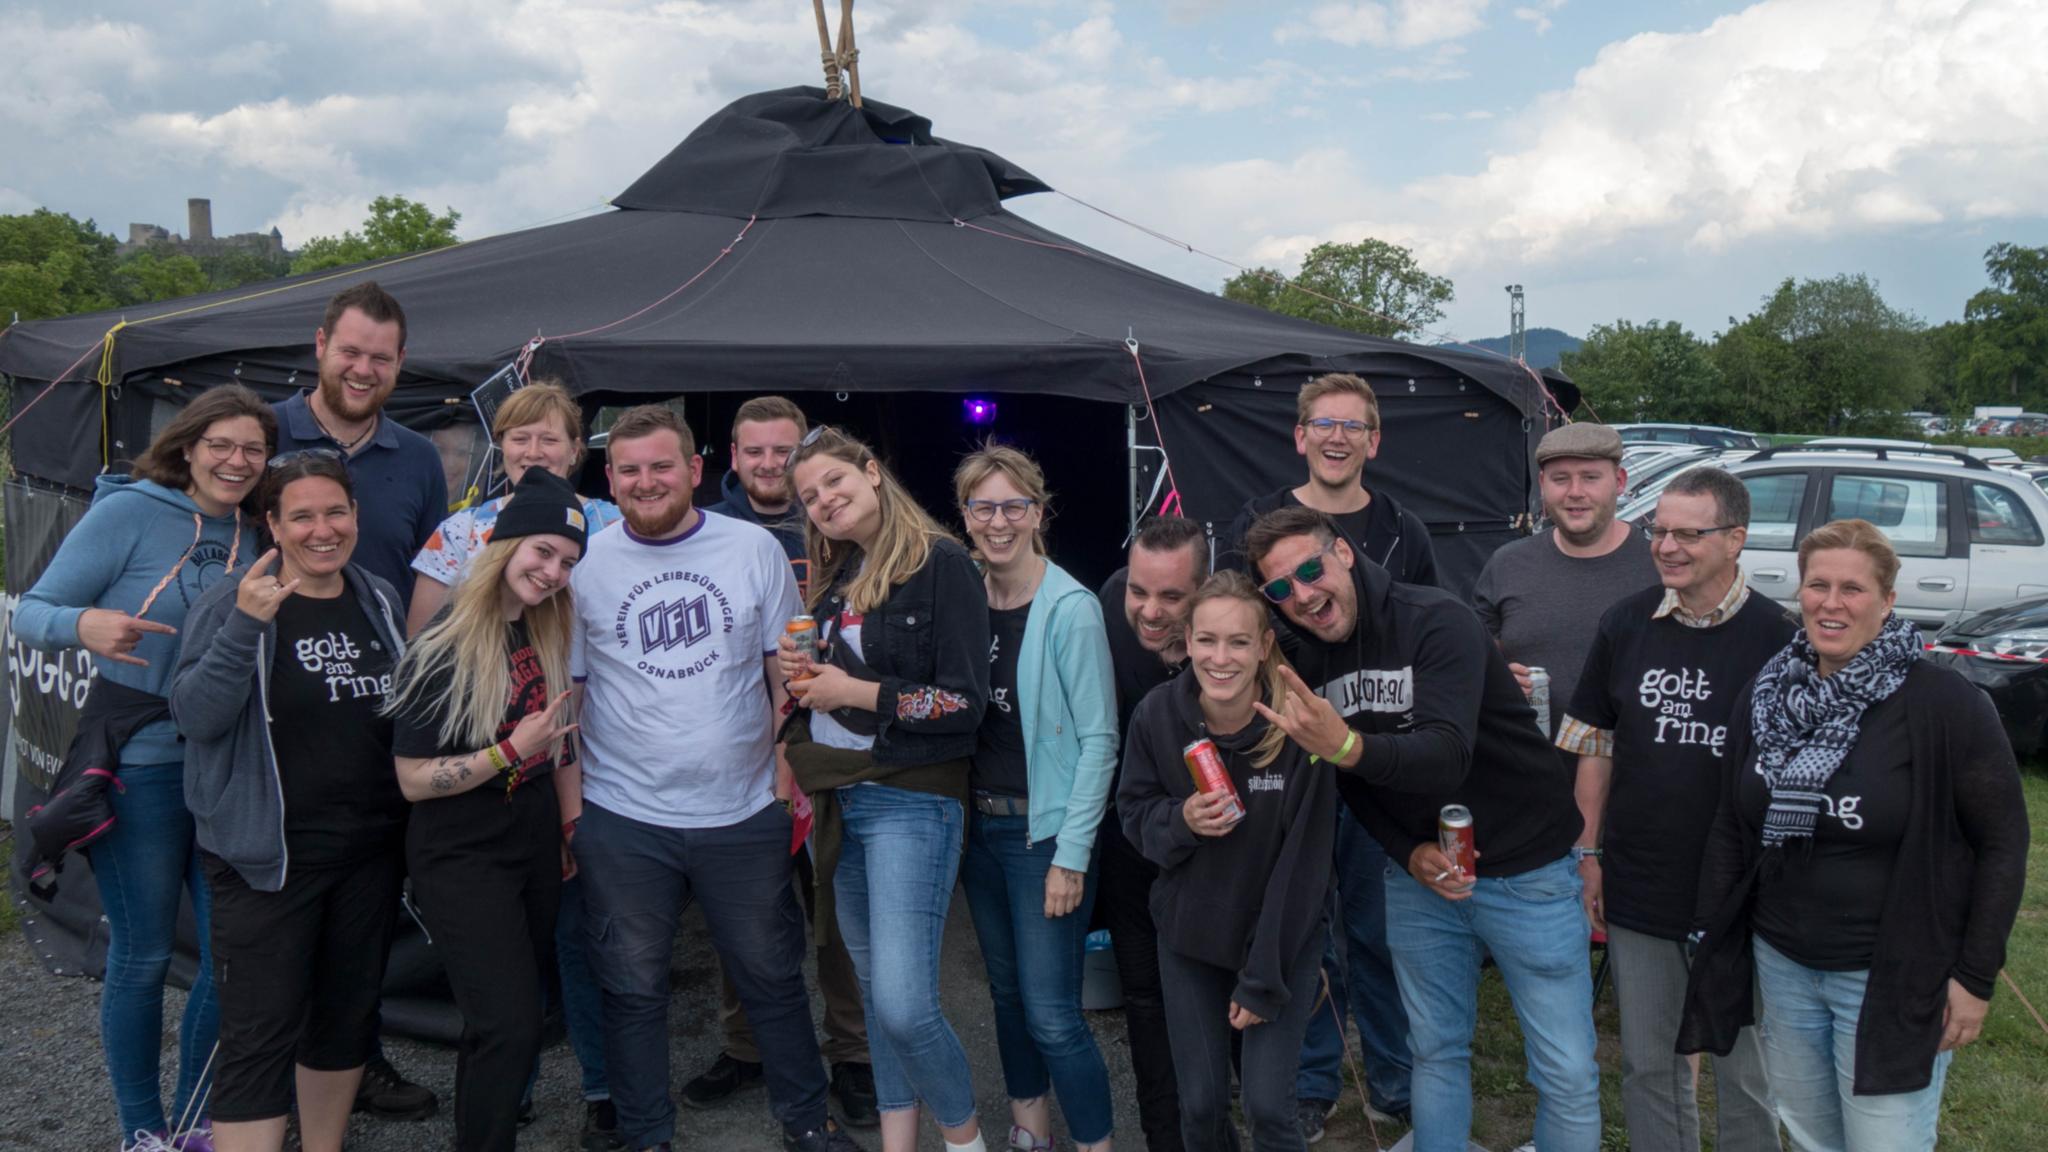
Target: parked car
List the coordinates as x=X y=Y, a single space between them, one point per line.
x=1969 y=536
x=2005 y=652
x=1987 y=454
x=1641 y=498
x=1711 y=435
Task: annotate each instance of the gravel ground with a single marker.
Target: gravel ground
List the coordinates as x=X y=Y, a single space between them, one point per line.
x=54 y=1095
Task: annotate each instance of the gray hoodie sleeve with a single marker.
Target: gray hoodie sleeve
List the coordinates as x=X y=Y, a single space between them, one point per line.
x=216 y=666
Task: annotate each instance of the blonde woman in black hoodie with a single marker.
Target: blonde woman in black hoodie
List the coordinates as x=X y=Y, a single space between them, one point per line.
x=1240 y=902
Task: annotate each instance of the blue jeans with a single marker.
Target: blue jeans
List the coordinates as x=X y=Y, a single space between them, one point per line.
x=893 y=884
x=1809 y=1035
x=1535 y=929
x=1034 y=973
x=636 y=879
x=582 y=999
x=141 y=867
x=1363 y=981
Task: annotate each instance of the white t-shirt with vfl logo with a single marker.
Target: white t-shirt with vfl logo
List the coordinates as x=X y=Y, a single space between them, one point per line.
x=670 y=638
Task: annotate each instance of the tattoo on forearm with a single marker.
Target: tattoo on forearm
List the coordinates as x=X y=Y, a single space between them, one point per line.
x=448 y=771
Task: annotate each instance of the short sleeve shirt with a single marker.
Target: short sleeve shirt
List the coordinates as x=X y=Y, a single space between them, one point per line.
x=461 y=536
x=328 y=680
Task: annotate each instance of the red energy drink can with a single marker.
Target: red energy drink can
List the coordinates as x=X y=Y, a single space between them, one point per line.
x=804 y=631
x=1205 y=764
x=1454 y=836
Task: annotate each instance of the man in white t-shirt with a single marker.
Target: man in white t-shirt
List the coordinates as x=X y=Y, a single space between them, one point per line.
x=678 y=614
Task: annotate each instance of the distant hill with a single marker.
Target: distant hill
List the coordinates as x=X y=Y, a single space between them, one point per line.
x=1545 y=346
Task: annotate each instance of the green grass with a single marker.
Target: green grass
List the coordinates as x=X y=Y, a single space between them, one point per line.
x=1997 y=1094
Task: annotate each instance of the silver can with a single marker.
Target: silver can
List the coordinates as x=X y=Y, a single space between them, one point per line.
x=1539 y=699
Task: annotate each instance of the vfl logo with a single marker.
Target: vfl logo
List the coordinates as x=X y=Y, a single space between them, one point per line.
x=665 y=624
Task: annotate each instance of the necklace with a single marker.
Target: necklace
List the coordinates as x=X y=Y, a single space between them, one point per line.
x=346 y=445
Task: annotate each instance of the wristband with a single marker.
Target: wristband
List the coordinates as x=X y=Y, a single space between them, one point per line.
x=509 y=756
x=497 y=759
x=1350 y=741
x=569 y=828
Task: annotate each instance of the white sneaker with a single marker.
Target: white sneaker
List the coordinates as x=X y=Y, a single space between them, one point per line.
x=146 y=1141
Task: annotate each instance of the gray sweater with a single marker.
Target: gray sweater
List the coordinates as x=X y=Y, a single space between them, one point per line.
x=220 y=698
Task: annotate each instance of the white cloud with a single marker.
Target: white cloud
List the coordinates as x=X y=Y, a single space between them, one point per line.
x=1398 y=24
x=1538 y=14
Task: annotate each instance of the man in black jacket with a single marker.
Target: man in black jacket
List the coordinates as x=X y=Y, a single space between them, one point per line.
x=1418 y=709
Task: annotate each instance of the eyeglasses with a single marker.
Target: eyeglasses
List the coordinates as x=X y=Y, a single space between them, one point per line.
x=296 y=454
x=1685 y=536
x=222 y=448
x=984 y=511
x=811 y=437
x=1309 y=571
x=1324 y=426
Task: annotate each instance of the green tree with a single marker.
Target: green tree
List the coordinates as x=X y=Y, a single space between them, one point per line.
x=1825 y=355
x=232 y=267
x=2006 y=358
x=146 y=276
x=396 y=226
x=53 y=265
x=1654 y=371
x=1388 y=292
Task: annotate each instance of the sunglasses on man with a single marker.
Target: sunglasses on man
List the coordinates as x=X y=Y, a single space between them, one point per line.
x=1309 y=571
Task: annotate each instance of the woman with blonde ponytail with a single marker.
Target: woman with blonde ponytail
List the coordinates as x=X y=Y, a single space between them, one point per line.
x=1242 y=890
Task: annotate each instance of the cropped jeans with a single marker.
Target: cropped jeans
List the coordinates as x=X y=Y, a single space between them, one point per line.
x=893 y=884
x=141 y=867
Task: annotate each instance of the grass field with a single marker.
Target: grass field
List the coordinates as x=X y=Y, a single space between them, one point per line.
x=1997 y=1095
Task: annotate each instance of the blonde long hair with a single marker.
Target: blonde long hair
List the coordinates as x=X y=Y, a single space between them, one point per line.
x=901 y=545
x=1232 y=585
x=473 y=643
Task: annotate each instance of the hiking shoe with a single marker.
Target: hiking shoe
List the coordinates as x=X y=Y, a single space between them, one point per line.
x=389 y=1096
x=830 y=1138
x=721 y=1082
x=601 y=1127
x=853 y=1086
x=1310 y=1114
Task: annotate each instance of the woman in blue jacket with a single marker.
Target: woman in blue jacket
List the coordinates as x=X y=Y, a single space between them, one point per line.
x=119 y=587
x=1042 y=763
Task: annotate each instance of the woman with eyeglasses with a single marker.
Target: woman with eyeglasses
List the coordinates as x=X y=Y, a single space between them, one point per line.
x=1242 y=879
x=1040 y=781
x=279 y=692
x=884 y=745
x=1865 y=866
x=119 y=587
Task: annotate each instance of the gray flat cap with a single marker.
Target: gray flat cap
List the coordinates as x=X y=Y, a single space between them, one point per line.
x=1585 y=441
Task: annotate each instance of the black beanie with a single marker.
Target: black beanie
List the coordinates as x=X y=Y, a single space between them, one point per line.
x=542 y=504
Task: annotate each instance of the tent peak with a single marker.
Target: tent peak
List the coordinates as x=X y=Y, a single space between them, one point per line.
x=794 y=152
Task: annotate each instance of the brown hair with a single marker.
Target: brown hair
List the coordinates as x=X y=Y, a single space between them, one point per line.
x=369 y=299
x=1172 y=533
x=901 y=546
x=647 y=419
x=1334 y=384
x=763 y=409
x=1858 y=535
x=1233 y=585
x=164 y=461
x=533 y=404
x=1281 y=523
x=1731 y=496
x=1015 y=465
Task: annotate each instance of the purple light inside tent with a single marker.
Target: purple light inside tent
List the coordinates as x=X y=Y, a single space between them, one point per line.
x=978 y=410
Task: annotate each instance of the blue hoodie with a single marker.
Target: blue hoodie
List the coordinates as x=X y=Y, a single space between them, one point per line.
x=132 y=536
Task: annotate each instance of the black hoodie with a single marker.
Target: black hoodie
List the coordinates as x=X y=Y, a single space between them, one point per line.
x=1392 y=537
x=788 y=529
x=1246 y=900
x=1442 y=721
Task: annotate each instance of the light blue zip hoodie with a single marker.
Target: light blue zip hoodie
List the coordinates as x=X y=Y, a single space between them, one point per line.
x=127 y=541
x=1066 y=695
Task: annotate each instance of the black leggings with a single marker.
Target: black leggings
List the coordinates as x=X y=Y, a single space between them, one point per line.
x=1198 y=1024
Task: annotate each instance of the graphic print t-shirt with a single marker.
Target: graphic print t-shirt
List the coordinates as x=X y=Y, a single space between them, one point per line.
x=999 y=765
x=328 y=678
x=1668 y=694
x=461 y=536
x=670 y=641
x=843 y=637
x=417 y=733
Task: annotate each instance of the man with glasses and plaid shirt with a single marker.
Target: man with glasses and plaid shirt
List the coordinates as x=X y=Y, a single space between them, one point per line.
x=1403 y=692
x=1649 y=722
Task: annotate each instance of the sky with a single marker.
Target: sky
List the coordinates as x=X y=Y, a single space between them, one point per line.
x=1621 y=160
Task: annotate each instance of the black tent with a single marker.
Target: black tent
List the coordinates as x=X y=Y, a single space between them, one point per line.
x=844 y=257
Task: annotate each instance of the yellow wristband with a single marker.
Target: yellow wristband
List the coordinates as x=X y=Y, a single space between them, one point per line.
x=1350 y=739
x=497 y=759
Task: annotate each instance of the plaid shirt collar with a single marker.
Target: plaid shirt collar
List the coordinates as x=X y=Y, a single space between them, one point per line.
x=1738 y=595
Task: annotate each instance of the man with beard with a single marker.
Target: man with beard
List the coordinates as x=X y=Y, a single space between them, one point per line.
x=678 y=618
x=765 y=431
x=401 y=490
x=401 y=495
x=1542 y=596
x=1145 y=608
x=1417 y=709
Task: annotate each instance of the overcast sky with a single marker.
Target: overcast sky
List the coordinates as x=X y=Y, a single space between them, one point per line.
x=1667 y=160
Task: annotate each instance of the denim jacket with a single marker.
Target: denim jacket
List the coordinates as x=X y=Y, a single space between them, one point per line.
x=1066 y=696
x=929 y=644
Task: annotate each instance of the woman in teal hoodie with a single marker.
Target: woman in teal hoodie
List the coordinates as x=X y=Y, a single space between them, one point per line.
x=120 y=586
x=1040 y=780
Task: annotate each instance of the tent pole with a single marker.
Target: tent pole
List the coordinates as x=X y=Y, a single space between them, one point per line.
x=1131 y=463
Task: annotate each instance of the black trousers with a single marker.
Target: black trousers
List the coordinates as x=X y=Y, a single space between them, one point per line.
x=1123 y=904
x=1198 y=1020
x=487 y=877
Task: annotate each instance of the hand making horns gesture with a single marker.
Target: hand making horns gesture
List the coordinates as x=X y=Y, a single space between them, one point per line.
x=1307 y=718
x=260 y=591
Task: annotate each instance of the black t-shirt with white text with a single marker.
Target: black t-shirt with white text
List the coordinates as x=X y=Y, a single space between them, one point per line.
x=999 y=764
x=1668 y=693
x=418 y=732
x=328 y=679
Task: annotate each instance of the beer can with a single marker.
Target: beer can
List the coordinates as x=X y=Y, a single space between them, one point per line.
x=1539 y=698
x=1454 y=836
x=804 y=631
x=1205 y=764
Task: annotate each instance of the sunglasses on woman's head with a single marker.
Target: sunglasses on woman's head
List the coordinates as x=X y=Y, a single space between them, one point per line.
x=1309 y=571
x=297 y=454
